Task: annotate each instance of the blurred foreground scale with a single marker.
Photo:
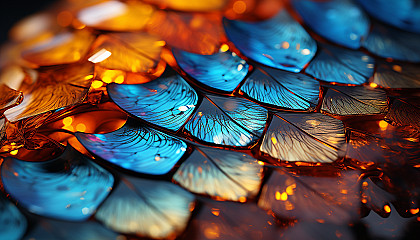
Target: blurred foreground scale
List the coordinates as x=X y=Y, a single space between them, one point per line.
x=213 y=119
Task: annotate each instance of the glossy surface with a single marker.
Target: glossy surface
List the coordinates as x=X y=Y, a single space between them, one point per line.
x=137 y=148
x=222 y=70
x=279 y=42
x=220 y=174
x=12 y=223
x=339 y=65
x=340 y=21
x=69 y=187
x=141 y=207
x=282 y=89
x=304 y=137
x=227 y=121
x=167 y=102
x=394 y=75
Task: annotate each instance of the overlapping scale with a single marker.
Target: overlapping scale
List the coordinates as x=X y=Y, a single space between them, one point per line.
x=112 y=15
x=282 y=89
x=131 y=52
x=225 y=221
x=222 y=70
x=405 y=13
x=9 y=97
x=147 y=208
x=228 y=121
x=405 y=112
x=340 y=21
x=393 y=43
x=12 y=223
x=137 y=148
x=63 y=48
x=394 y=75
x=279 y=42
x=352 y=101
x=339 y=65
x=329 y=199
x=220 y=174
x=186 y=5
x=69 y=187
x=167 y=101
x=201 y=33
x=49 y=229
x=376 y=198
x=2 y=129
x=305 y=137
x=54 y=88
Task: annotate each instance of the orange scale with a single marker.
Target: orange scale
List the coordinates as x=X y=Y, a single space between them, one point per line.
x=63 y=48
x=115 y=15
x=200 y=33
x=188 y=5
x=131 y=52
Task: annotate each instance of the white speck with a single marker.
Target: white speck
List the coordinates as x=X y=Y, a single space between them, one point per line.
x=353 y=36
x=85 y=211
x=240 y=66
x=183 y=108
x=306 y=51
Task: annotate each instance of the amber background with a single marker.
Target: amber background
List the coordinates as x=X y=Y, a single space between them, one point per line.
x=14 y=10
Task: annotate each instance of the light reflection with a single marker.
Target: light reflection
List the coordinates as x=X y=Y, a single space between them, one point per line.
x=102 y=12
x=100 y=56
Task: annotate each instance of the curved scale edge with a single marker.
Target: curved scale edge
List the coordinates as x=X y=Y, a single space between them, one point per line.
x=220 y=174
x=282 y=89
x=393 y=75
x=228 y=121
x=12 y=223
x=340 y=21
x=69 y=187
x=137 y=148
x=339 y=65
x=222 y=70
x=147 y=208
x=167 y=101
x=305 y=137
x=279 y=42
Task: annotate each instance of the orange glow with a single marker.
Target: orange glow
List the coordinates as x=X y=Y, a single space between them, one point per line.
x=387 y=209
x=261 y=163
x=374 y=85
x=283 y=196
x=291 y=189
x=67 y=121
x=365 y=184
x=320 y=220
x=383 y=125
x=97 y=84
x=278 y=195
x=364 y=200
x=239 y=7
x=80 y=127
x=242 y=199
x=212 y=232
x=343 y=191
x=414 y=211
x=215 y=211
x=224 y=48
x=397 y=68
x=274 y=140
x=14 y=152
x=119 y=79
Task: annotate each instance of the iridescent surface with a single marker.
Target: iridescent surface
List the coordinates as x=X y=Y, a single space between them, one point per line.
x=304 y=137
x=334 y=64
x=405 y=13
x=220 y=174
x=227 y=121
x=9 y=98
x=340 y=21
x=354 y=100
x=12 y=223
x=282 y=89
x=222 y=70
x=54 y=88
x=136 y=147
x=279 y=42
x=271 y=154
x=133 y=52
x=167 y=102
x=394 y=75
x=332 y=198
x=393 y=43
x=69 y=187
x=154 y=209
